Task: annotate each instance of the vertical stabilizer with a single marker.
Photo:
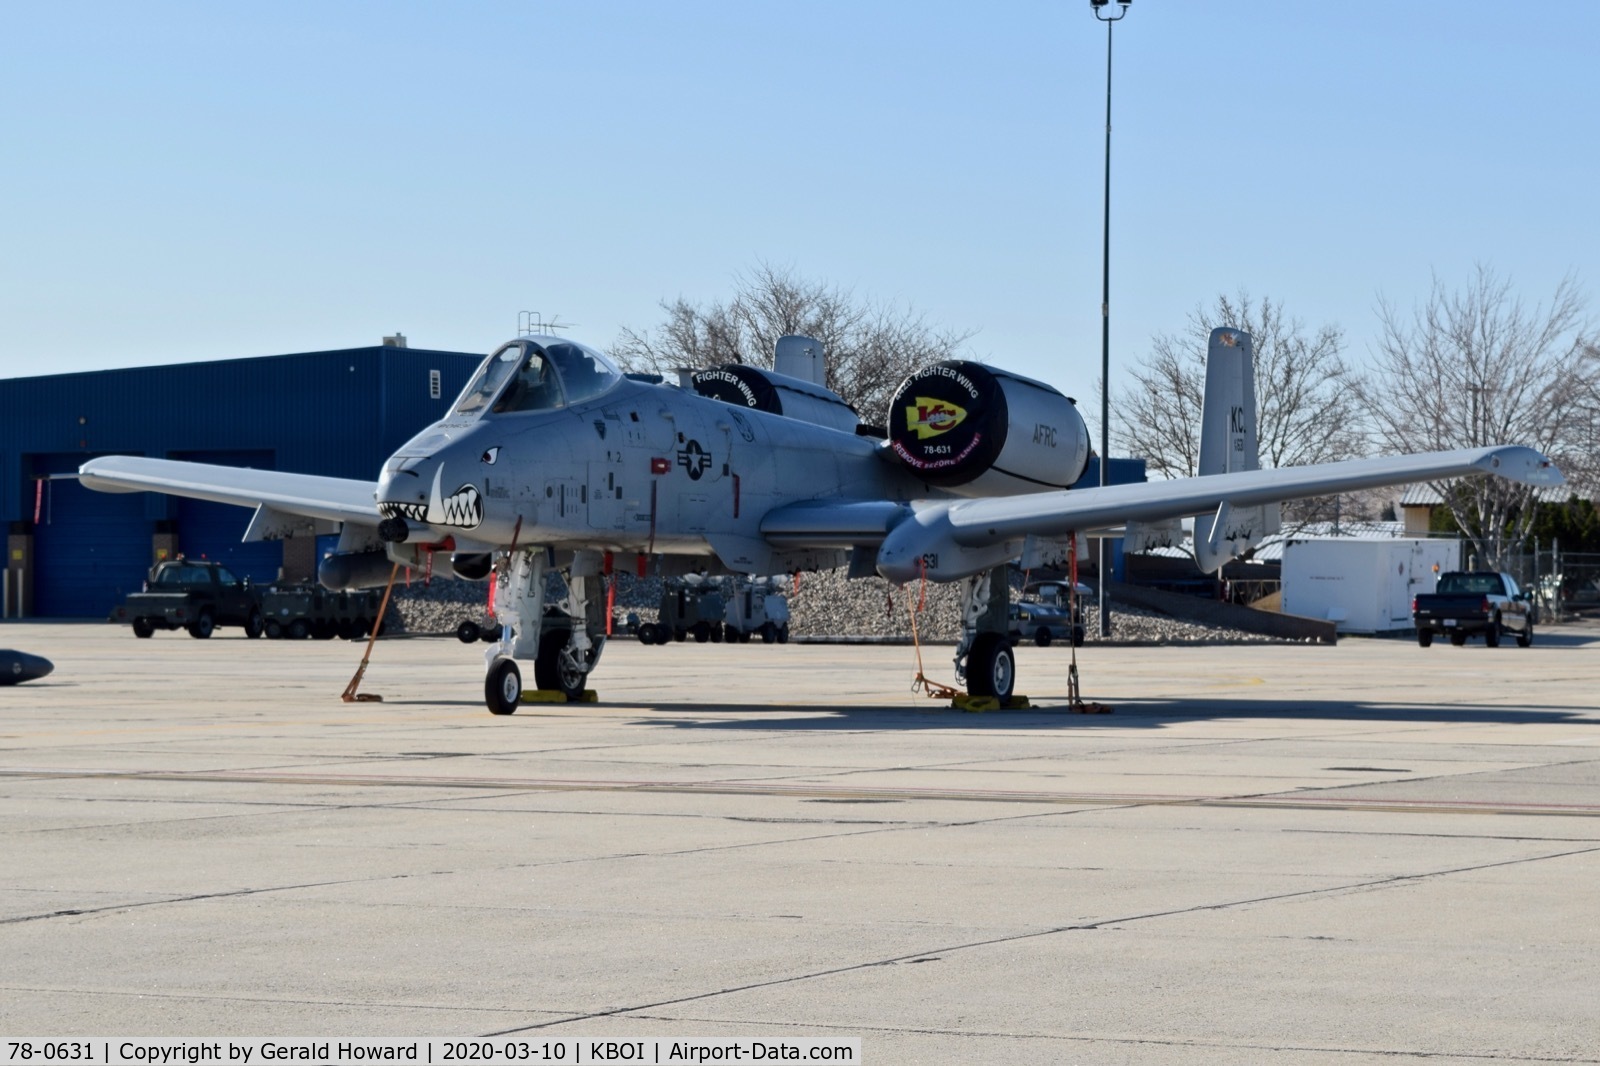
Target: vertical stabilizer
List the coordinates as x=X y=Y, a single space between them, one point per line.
x=1228 y=443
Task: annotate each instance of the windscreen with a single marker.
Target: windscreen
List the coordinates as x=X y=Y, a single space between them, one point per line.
x=530 y=376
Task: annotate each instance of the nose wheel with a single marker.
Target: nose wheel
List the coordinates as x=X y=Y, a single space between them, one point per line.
x=502 y=687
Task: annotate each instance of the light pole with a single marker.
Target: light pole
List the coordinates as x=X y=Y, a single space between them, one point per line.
x=1102 y=11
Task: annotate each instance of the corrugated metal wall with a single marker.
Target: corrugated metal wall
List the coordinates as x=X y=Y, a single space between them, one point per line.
x=335 y=413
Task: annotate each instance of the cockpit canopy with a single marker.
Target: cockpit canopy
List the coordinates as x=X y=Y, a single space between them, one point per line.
x=537 y=374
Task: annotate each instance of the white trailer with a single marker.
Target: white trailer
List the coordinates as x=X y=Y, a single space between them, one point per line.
x=1365 y=586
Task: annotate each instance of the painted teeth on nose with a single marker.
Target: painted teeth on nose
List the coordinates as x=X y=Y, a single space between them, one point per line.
x=464 y=507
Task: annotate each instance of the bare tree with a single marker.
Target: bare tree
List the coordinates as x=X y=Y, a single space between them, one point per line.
x=1308 y=409
x=1477 y=366
x=870 y=347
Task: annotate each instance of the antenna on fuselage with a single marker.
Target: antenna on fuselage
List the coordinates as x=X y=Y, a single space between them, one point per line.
x=532 y=322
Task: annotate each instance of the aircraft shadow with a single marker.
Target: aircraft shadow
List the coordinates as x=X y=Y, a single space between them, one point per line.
x=1052 y=710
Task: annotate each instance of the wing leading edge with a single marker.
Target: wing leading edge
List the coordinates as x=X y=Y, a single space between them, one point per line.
x=978 y=533
x=331 y=499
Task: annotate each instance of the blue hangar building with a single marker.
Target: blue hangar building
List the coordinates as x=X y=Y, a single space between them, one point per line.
x=73 y=553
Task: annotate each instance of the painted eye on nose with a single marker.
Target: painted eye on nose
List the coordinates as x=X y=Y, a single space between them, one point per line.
x=488 y=457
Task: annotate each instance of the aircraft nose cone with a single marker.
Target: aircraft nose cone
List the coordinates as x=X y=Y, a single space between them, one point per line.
x=403 y=491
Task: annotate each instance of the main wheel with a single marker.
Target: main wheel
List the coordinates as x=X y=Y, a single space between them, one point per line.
x=202 y=627
x=1525 y=638
x=1491 y=636
x=1425 y=638
x=142 y=628
x=468 y=632
x=502 y=688
x=991 y=667
x=551 y=672
x=254 y=626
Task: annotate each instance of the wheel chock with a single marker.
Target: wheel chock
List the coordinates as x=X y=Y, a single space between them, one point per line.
x=552 y=695
x=963 y=701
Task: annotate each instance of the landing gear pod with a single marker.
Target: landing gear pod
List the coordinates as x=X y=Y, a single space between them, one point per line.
x=980 y=431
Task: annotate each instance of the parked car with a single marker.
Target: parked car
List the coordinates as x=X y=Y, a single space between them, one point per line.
x=1043 y=614
x=1466 y=604
x=194 y=595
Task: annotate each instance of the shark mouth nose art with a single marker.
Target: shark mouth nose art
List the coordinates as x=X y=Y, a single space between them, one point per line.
x=463 y=508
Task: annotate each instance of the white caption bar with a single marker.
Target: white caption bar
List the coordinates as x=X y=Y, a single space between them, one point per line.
x=498 y=1051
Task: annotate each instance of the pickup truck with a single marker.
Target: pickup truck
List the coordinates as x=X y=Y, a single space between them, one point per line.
x=197 y=596
x=1466 y=604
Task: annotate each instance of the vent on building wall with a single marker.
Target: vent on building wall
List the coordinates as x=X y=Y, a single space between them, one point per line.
x=433 y=384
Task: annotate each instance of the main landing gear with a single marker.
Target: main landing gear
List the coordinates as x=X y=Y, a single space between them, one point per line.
x=562 y=639
x=984 y=659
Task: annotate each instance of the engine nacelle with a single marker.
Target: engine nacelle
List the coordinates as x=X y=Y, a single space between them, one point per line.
x=980 y=431
x=765 y=390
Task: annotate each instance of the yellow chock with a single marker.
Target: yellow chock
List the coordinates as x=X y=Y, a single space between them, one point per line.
x=551 y=695
x=963 y=701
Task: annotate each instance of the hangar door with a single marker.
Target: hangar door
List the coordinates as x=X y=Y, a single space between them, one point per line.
x=215 y=531
x=90 y=548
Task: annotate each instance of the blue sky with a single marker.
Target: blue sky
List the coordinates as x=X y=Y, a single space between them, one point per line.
x=195 y=181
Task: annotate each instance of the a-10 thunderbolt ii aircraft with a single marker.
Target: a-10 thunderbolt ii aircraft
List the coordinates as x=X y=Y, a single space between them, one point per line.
x=553 y=459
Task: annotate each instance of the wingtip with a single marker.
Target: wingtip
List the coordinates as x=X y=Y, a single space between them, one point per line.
x=1525 y=465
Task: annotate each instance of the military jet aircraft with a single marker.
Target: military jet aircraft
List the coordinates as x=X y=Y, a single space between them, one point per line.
x=552 y=459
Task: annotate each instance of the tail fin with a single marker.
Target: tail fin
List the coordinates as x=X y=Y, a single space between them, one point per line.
x=1228 y=444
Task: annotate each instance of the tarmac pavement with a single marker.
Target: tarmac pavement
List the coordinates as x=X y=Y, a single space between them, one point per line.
x=1366 y=853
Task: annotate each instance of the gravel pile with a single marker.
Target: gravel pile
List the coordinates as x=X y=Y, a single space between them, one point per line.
x=825 y=605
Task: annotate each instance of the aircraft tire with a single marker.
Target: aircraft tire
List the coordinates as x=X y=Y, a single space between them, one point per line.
x=1424 y=638
x=467 y=632
x=502 y=687
x=549 y=674
x=991 y=667
x=142 y=629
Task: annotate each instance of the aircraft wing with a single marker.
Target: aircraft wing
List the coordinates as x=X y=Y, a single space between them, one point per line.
x=969 y=531
x=986 y=520
x=329 y=498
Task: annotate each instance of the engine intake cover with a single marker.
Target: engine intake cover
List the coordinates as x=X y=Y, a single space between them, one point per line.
x=965 y=426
